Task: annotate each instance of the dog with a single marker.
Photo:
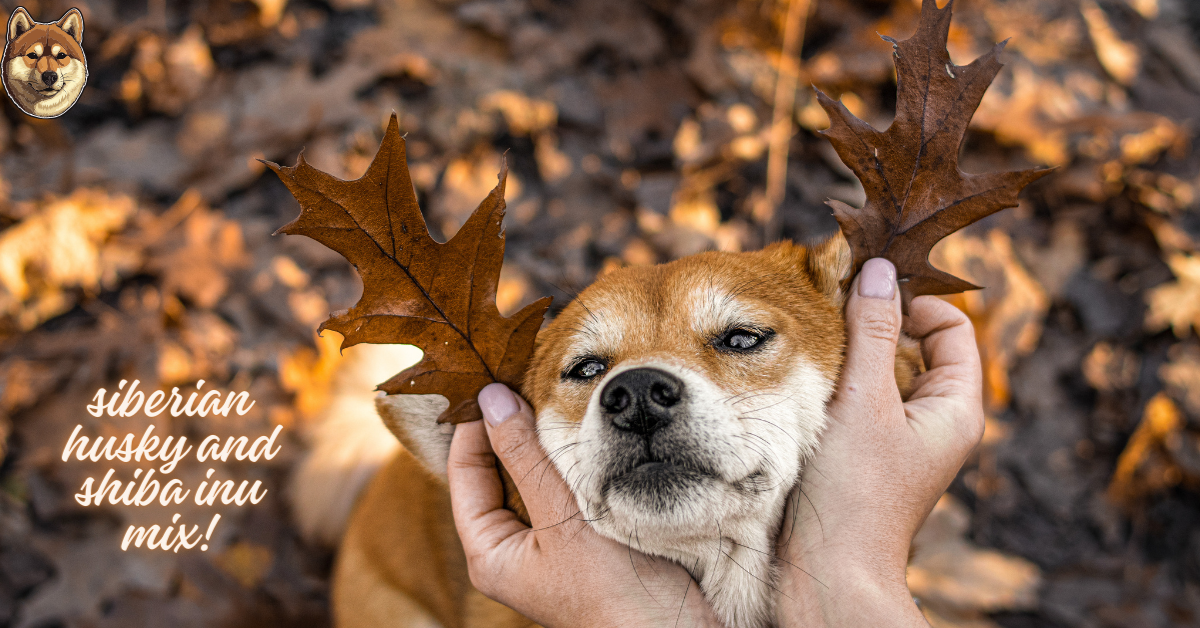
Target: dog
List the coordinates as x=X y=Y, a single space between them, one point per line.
x=44 y=66
x=679 y=402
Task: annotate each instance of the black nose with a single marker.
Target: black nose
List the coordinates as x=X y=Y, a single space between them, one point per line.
x=641 y=400
x=49 y=78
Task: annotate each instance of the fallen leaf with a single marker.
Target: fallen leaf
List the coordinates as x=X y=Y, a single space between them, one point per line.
x=916 y=195
x=1120 y=59
x=1150 y=461
x=440 y=297
x=196 y=262
x=1182 y=376
x=523 y=115
x=248 y=563
x=959 y=581
x=1176 y=304
x=62 y=244
x=1111 y=368
x=1008 y=316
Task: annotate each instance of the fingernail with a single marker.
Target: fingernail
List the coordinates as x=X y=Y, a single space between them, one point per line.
x=498 y=403
x=877 y=280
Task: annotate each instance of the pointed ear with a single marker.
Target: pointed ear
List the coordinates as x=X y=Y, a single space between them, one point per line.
x=19 y=23
x=830 y=265
x=72 y=23
x=413 y=419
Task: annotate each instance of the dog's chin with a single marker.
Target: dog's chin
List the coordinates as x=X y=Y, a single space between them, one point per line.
x=46 y=92
x=678 y=500
x=658 y=487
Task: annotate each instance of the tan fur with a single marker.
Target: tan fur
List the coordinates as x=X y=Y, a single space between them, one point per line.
x=400 y=562
x=35 y=51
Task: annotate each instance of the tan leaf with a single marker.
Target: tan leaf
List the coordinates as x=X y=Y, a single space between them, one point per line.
x=1008 y=315
x=60 y=245
x=1176 y=304
x=248 y=563
x=959 y=580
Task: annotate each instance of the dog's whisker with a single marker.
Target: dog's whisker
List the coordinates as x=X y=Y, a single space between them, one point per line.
x=772 y=424
x=768 y=584
x=782 y=560
x=544 y=459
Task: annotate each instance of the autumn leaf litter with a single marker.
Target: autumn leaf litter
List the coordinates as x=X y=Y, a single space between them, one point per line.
x=633 y=135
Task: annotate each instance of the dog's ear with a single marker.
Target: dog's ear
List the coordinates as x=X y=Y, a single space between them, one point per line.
x=413 y=419
x=19 y=23
x=72 y=23
x=830 y=264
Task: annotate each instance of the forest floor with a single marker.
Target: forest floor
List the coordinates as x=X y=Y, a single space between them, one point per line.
x=135 y=243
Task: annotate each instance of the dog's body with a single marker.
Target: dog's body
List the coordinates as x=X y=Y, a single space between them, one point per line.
x=44 y=65
x=678 y=401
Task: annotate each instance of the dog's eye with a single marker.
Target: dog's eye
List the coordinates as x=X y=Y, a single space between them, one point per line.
x=61 y=55
x=587 y=369
x=32 y=55
x=742 y=339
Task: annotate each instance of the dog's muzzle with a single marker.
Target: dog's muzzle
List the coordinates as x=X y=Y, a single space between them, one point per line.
x=642 y=401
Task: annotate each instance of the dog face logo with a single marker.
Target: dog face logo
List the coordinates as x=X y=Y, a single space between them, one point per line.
x=44 y=67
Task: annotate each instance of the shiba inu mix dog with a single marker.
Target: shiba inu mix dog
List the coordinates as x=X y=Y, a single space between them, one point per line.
x=44 y=67
x=678 y=402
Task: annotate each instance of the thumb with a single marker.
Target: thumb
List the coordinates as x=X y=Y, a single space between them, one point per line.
x=872 y=328
x=513 y=434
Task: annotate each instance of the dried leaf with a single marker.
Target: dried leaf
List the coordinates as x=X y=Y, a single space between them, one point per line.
x=1147 y=464
x=1182 y=376
x=960 y=581
x=246 y=562
x=62 y=244
x=195 y=263
x=916 y=195
x=1120 y=58
x=1176 y=304
x=1008 y=316
x=440 y=297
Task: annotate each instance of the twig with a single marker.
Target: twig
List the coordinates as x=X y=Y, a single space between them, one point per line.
x=767 y=212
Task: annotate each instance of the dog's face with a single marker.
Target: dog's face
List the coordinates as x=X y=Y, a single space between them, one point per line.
x=44 y=65
x=680 y=397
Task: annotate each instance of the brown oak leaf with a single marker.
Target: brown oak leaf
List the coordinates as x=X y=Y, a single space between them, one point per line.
x=439 y=297
x=916 y=195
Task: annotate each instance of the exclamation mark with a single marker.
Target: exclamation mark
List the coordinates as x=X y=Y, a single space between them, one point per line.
x=208 y=535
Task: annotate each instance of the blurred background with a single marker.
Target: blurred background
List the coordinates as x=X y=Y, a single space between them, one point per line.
x=135 y=243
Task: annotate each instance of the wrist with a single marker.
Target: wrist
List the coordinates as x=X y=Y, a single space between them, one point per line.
x=850 y=595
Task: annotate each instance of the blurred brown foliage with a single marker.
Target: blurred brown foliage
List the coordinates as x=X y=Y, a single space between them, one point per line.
x=134 y=243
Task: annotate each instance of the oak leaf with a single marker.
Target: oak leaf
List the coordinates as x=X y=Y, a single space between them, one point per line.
x=916 y=195
x=439 y=297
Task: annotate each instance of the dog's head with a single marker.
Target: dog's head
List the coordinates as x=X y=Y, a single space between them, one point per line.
x=679 y=396
x=44 y=65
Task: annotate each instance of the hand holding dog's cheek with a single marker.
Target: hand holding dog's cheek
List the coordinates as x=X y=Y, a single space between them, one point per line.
x=882 y=462
x=559 y=572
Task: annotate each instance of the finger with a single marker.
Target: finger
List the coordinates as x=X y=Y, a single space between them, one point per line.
x=948 y=347
x=476 y=493
x=947 y=403
x=511 y=428
x=872 y=328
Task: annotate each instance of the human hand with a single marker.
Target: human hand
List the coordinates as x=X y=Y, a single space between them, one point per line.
x=882 y=463
x=560 y=572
